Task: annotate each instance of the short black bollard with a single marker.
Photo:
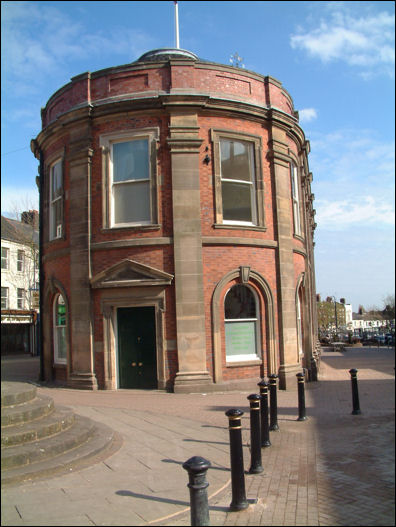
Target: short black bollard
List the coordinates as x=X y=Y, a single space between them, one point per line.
x=301 y=397
x=355 y=393
x=273 y=403
x=197 y=467
x=265 y=439
x=255 y=434
x=239 y=501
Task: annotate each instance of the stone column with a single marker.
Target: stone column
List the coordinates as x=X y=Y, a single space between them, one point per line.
x=184 y=145
x=82 y=367
x=288 y=352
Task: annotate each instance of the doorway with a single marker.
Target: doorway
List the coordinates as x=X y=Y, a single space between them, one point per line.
x=137 y=348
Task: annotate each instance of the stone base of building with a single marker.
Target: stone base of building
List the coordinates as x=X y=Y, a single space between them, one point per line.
x=192 y=382
x=83 y=381
x=245 y=385
x=287 y=375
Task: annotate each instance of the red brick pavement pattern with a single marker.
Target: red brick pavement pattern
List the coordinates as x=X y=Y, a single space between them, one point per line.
x=333 y=469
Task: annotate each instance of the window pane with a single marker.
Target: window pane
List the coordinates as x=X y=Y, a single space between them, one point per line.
x=240 y=338
x=240 y=303
x=60 y=312
x=235 y=160
x=4 y=258
x=131 y=203
x=20 y=260
x=237 y=204
x=130 y=160
x=57 y=180
x=4 y=298
x=61 y=343
x=56 y=217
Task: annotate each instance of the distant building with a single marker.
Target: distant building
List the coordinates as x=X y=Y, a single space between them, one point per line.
x=19 y=283
x=365 y=323
x=178 y=228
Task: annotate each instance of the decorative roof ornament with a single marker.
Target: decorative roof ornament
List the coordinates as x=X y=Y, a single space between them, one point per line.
x=236 y=61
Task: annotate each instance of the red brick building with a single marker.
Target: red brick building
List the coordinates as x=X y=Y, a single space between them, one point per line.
x=177 y=228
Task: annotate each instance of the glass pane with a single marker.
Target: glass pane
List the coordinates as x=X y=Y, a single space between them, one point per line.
x=237 y=204
x=293 y=183
x=130 y=160
x=235 y=160
x=131 y=203
x=61 y=343
x=57 y=180
x=61 y=316
x=56 y=217
x=240 y=338
x=240 y=303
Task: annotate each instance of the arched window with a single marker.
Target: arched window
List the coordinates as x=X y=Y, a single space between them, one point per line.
x=241 y=315
x=60 y=348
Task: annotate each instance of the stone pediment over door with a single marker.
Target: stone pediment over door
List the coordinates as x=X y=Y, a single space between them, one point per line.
x=129 y=273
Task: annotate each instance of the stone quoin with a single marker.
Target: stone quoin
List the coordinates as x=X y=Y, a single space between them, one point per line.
x=176 y=228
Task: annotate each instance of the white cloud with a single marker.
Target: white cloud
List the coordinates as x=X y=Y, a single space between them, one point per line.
x=48 y=41
x=361 y=211
x=353 y=181
x=365 y=40
x=307 y=114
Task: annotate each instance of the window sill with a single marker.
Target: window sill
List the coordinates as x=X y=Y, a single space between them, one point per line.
x=151 y=227
x=59 y=364
x=237 y=364
x=239 y=227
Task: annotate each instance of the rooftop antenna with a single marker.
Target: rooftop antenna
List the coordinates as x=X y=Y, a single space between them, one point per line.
x=236 y=61
x=177 y=24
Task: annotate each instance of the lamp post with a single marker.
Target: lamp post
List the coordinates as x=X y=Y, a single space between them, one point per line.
x=335 y=313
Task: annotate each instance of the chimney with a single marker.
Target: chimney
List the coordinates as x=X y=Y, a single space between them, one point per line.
x=30 y=217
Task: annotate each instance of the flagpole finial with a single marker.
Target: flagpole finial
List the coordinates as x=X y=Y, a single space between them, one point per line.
x=177 y=24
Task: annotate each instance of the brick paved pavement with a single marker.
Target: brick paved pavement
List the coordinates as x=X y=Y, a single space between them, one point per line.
x=333 y=469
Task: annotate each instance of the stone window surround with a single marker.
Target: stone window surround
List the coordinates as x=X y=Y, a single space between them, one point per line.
x=218 y=320
x=57 y=360
x=52 y=289
x=58 y=155
x=300 y=171
x=105 y=142
x=52 y=201
x=216 y=135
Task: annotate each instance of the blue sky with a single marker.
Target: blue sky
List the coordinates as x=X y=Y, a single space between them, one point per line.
x=336 y=59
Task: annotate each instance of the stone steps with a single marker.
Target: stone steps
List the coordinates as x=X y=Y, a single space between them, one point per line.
x=60 y=419
x=39 y=440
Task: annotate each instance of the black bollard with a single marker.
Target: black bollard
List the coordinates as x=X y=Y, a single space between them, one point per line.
x=301 y=397
x=255 y=434
x=197 y=467
x=239 y=501
x=265 y=439
x=273 y=403
x=355 y=393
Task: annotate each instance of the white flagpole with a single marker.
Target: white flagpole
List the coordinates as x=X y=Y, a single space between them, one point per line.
x=177 y=24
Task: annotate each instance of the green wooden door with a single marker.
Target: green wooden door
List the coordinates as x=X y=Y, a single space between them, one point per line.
x=137 y=350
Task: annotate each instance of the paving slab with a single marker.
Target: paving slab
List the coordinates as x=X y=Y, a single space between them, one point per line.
x=333 y=469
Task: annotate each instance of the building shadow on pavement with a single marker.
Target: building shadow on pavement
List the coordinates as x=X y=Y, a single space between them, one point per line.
x=354 y=455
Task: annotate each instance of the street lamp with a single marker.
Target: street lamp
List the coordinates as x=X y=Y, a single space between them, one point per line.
x=335 y=313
